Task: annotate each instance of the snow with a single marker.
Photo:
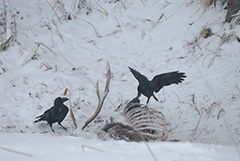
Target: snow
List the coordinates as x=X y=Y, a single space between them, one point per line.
x=53 y=53
x=40 y=147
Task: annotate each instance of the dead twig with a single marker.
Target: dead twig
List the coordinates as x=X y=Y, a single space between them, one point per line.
x=194 y=103
x=104 y=11
x=59 y=34
x=70 y=107
x=39 y=44
x=100 y=101
x=71 y=113
x=17 y=152
x=179 y=100
x=200 y=117
x=89 y=147
x=98 y=35
x=54 y=12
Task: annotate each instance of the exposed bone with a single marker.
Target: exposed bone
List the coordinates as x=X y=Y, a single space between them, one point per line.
x=146 y=121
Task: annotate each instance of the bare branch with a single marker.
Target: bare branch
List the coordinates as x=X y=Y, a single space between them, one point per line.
x=70 y=107
x=98 y=35
x=39 y=45
x=54 y=12
x=71 y=113
x=90 y=147
x=105 y=12
x=198 y=120
x=59 y=34
x=100 y=101
x=14 y=151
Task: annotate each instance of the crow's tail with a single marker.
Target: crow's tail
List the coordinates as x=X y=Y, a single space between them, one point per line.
x=36 y=121
x=39 y=118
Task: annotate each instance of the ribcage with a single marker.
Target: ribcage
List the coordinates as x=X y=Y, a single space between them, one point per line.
x=148 y=122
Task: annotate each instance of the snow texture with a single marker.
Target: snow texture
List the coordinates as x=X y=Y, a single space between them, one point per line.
x=62 y=46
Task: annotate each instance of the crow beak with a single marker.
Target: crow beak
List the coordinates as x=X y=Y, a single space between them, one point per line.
x=64 y=99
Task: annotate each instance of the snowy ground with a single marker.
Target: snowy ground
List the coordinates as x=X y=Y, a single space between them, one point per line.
x=53 y=53
x=39 y=147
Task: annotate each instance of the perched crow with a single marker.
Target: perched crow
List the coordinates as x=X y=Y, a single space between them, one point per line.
x=55 y=114
x=147 y=87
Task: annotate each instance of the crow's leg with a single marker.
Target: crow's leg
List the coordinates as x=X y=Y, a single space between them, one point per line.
x=155 y=97
x=51 y=127
x=150 y=97
x=148 y=100
x=62 y=126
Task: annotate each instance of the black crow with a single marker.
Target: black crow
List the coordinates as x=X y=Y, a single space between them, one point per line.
x=55 y=114
x=147 y=87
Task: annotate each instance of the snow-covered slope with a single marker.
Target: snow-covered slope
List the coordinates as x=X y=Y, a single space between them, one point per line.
x=53 y=53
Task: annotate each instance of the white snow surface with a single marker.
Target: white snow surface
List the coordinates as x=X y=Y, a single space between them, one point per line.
x=52 y=53
x=39 y=147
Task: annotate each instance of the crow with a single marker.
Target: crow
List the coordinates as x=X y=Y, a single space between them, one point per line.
x=147 y=87
x=56 y=113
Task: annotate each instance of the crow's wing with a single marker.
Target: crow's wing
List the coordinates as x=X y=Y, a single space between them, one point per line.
x=60 y=113
x=166 y=79
x=44 y=117
x=141 y=78
x=44 y=114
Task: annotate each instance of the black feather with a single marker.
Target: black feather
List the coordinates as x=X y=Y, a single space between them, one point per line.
x=57 y=113
x=147 y=87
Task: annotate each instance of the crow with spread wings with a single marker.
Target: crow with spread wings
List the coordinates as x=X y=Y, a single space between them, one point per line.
x=147 y=87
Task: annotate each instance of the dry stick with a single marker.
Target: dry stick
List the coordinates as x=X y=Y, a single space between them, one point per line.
x=40 y=43
x=179 y=100
x=100 y=102
x=198 y=120
x=17 y=152
x=71 y=113
x=59 y=34
x=84 y=76
x=70 y=107
x=54 y=12
x=50 y=29
x=194 y=104
x=106 y=13
x=89 y=147
x=90 y=25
